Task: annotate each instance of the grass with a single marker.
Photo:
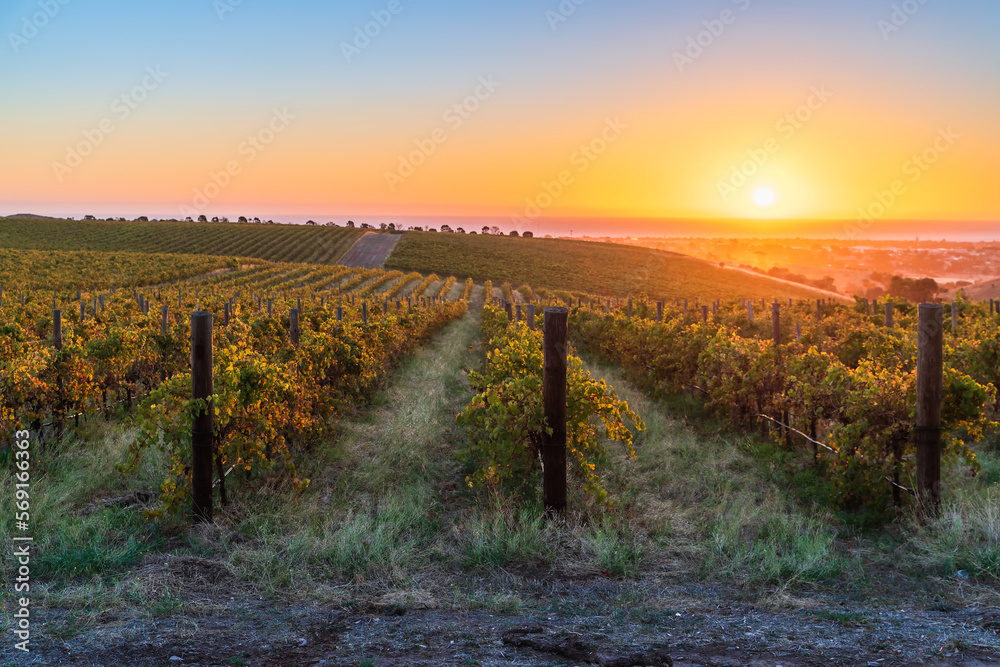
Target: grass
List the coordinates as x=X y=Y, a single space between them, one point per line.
x=579 y=266
x=279 y=243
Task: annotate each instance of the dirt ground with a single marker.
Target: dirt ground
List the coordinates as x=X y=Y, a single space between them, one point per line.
x=219 y=621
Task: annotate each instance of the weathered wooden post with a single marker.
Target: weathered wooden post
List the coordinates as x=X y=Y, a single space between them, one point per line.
x=270 y=307
x=630 y=307
x=293 y=326
x=954 y=315
x=927 y=434
x=531 y=316
x=163 y=320
x=226 y=314
x=83 y=312
x=57 y=339
x=340 y=313
x=750 y=310
x=554 y=403
x=819 y=310
x=517 y=314
x=659 y=311
x=202 y=388
x=385 y=306
x=364 y=312
x=685 y=306
x=776 y=322
x=888 y=315
x=798 y=332
x=509 y=310
x=704 y=313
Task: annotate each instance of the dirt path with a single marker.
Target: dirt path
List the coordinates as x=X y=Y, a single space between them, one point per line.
x=370 y=251
x=817 y=290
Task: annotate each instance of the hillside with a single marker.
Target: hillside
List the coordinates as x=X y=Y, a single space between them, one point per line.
x=581 y=266
x=277 y=243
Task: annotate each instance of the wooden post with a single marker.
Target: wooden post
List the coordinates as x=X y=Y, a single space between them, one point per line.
x=554 y=403
x=750 y=310
x=340 y=313
x=531 y=316
x=798 y=332
x=202 y=387
x=685 y=306
x=927 y=434
x=659 y=311
x=888 y=315
x=776 y=322
x=954 y=315
x=163 y=321
x=509 y=310
x=630 y=307
x=704 y=313
x=517 y=314
x=57 y=339
x=270 y=307
x=293 y=326
x=226 y=316
x=83 y=312
x=364 y=312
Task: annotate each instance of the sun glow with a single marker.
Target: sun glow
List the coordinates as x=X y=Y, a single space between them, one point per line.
x=764 y=197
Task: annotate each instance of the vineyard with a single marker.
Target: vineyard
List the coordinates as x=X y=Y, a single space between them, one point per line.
x=836 y=380
x=581 y=267
x=378 y=447
x=276 y=243
x=295 y=346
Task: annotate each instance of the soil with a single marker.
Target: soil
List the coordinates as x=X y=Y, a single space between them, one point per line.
x=222 y=621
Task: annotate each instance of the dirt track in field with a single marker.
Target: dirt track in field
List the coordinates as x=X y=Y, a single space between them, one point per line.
x=370 y=251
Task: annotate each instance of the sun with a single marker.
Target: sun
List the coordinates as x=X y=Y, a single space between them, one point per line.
x=764 y=197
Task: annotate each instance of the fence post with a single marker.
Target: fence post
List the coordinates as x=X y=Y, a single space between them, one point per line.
x=776 y=322
x=704 y=313
x=888 y=315
x=202 y=387
x=517 y=314
x=531 y=316
x=798 y=333
x=750 y=310
x=659 y=311
x=163 y=321
x=819 y=310
x=293 y=326
x=554 y=403
x=226 y=307
x=57 y=339
x=630 y=307
x=927 y=434
x=954 y=315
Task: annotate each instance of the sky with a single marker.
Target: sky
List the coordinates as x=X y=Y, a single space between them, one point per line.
x=778 y=116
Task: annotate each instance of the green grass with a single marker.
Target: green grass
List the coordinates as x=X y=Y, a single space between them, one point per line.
x=579 y=266
x=280 y=243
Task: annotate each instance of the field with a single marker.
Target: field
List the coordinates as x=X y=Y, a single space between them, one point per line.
x=579 y=266
x=362 y=526
x=279 y=243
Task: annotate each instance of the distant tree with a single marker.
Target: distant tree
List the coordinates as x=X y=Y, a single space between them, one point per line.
x=215 y=218
x=89 y=217
x=527 y=235
x=242 y=219
x=256 y=220
x=270 y=222
x=224 y=219
x=513 y=232
x=459 y=230
x=418 y=229
x=311 y=223
x=494 y=230
x=383 y=226
x=350 y=223
x=475 y=232
x=392 y=226
x=142 y=218
x=188 y=219
x=445 y=228
x=431 y=229
x=330 y=224
x=109 y=219
x=202 y=218
x=915 y=290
